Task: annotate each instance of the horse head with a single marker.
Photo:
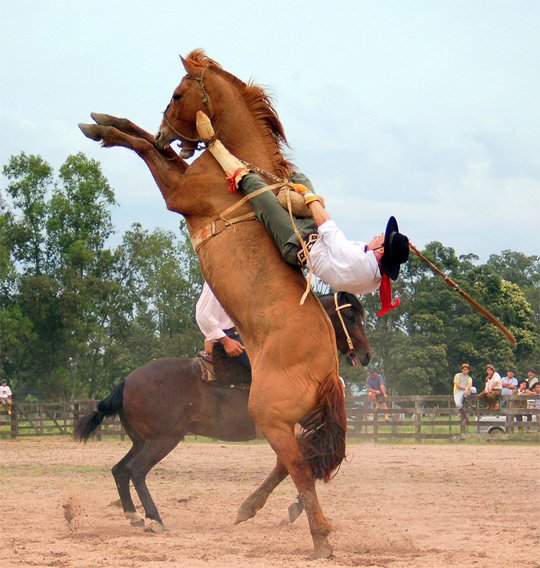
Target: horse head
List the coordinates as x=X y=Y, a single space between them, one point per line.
x=347 y=316
x=242 y=115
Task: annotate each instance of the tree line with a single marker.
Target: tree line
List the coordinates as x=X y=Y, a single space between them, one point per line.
x=78 y=314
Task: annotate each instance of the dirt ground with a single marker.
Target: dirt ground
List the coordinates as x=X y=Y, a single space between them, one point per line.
x=397 y=506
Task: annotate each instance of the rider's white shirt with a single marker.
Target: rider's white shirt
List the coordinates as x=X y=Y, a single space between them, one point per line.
x=345 y=265
x=211 y=317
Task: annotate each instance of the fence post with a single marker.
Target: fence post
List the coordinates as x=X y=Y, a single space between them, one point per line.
x=40 y=410
x=510 y=417
x=375 y=426
x=14 y=420
x=417 y=420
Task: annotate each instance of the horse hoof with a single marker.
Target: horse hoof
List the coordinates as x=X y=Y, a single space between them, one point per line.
x=324 y=550
x=91 y=131
x=244 y=514
x=135 y=519
x=103 y=119
x=295 y=510
x=154 y=527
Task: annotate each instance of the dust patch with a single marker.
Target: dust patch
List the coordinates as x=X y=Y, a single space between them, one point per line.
x=73 y=512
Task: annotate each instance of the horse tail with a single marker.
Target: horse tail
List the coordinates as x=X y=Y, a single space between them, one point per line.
x=109 y=406
x=323 y=437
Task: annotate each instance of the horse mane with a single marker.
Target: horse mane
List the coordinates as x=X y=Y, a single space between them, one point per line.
x=261 y=106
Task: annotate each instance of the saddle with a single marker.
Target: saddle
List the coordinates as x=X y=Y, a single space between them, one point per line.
x=218 y=369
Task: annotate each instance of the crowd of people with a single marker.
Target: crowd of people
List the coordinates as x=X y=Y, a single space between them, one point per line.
x=495 y=387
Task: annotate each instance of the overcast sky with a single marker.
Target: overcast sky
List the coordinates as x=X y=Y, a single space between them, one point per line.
x=426 y=110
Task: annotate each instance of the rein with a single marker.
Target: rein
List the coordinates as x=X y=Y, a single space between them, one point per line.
x=345 y=330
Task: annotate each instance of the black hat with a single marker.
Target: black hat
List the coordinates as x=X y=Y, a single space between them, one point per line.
x=396 y=249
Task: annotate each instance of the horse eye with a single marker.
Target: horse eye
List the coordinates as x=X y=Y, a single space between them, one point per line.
x=176 y=97
x=350 y=319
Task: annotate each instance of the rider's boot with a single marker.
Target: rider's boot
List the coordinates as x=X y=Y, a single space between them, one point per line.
x=231 y=165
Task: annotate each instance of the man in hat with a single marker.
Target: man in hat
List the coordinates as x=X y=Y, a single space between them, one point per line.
x=351 y=266
x=6 y=396
x=463 y=387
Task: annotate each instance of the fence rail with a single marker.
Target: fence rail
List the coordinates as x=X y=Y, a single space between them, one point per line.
x=408 y=417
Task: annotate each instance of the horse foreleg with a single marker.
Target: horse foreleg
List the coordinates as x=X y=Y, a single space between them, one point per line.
x=165 y=166
x=125 y=126
x=256 y=501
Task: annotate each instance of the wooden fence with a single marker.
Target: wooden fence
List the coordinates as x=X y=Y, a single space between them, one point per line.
x=409 y=417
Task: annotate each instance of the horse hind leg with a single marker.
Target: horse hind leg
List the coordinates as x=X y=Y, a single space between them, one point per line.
x=284 y=443
x=121 y=476
x=256 y=501
x=152 y=453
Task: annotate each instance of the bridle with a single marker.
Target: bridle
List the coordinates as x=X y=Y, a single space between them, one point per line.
x=338 y=311
x=201 y=144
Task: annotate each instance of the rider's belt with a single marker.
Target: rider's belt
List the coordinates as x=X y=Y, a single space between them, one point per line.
x=309 y=242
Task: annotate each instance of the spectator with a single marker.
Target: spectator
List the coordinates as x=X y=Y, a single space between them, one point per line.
x=509 y=384
x=6 y=396
x=532 y=379
x=536 y=391
x=493 y=389
x=377 y=391
x=522 y=390
x=462 y=389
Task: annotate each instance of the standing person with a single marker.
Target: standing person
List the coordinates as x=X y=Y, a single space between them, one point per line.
x=493 y=389
x=509 y=384
x=6 y=396
x=216 y=326
x=377 y=391
x=463 y=387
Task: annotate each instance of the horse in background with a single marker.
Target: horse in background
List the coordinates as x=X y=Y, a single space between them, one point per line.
x=166 y=399
x=295 y=371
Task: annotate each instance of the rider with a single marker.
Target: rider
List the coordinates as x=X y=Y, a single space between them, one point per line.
x=217 y=327
x=351 y=266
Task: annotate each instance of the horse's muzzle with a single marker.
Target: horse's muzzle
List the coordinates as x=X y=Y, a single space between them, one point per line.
x=355 y=361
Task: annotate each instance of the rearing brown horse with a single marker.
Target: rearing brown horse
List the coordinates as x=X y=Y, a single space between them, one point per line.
x=291 y=346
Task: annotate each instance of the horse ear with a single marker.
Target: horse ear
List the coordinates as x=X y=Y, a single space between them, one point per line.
x=190 y=68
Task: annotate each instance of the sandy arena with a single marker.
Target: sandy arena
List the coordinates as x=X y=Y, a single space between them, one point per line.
x=426 y=506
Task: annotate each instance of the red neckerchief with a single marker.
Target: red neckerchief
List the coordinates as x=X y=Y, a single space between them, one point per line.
x=385 y=292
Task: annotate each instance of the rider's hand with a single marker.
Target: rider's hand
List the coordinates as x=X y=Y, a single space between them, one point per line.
x=232 y=347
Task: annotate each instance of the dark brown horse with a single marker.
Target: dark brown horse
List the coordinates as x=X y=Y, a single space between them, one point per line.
x=166 y=399
x=295 y=371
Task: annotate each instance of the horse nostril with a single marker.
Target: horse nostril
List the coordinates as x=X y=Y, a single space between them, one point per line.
x=368 y=357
